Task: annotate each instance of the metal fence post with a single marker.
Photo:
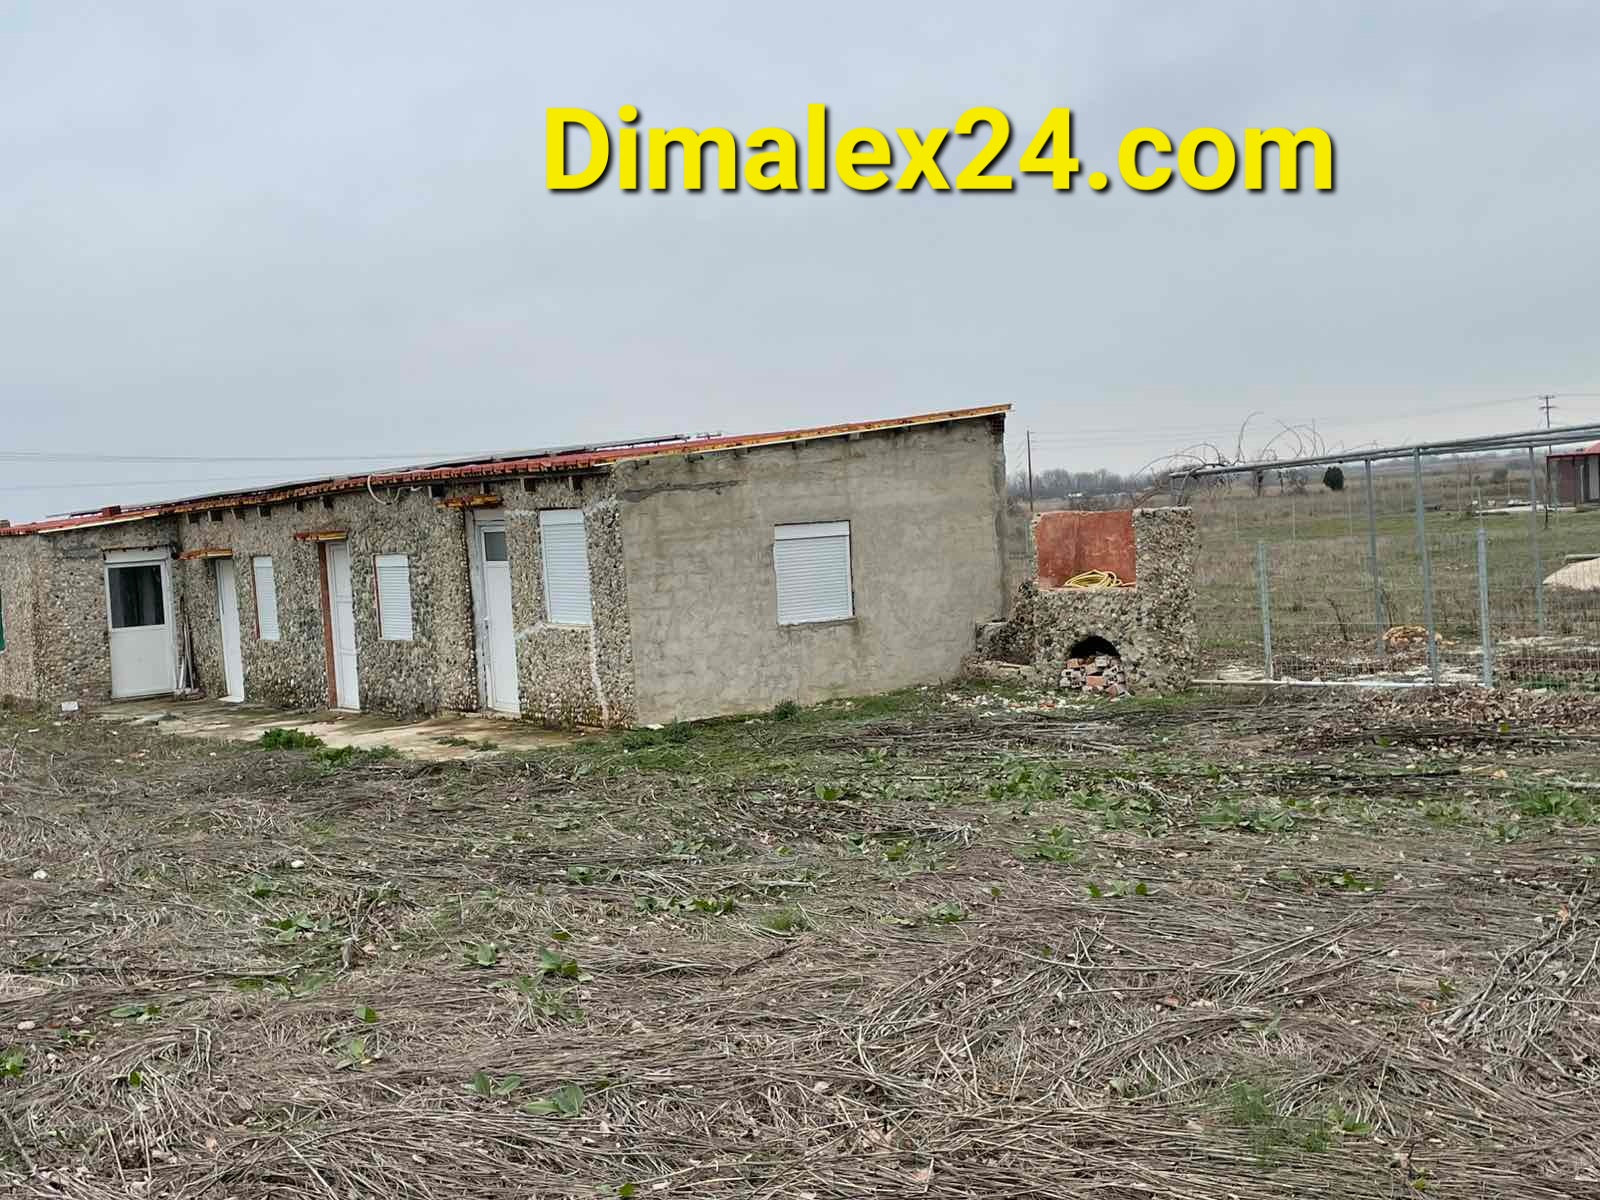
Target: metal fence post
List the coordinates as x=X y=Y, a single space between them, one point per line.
x=1533 y=533
x=1427 y=567
x=1483 y=607
x=1266 y=606
x=1372 y=564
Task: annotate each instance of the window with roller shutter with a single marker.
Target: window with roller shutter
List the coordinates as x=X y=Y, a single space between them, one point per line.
x=394 y=597
x=564 y=548
x=812 y=565
x=266 y=598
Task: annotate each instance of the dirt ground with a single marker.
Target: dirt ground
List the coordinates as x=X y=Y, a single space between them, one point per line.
x=443 y=738
x=947 y=943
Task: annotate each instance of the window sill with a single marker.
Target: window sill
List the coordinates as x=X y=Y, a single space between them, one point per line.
x=825 y=624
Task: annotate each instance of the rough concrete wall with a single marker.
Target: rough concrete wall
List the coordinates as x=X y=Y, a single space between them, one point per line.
x=926 y=513
x=434 y=670
x=1152 y=625
x=64 y=617
x=568 y=675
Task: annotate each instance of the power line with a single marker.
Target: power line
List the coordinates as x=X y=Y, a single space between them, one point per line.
x=88 y=484
x=65 y=456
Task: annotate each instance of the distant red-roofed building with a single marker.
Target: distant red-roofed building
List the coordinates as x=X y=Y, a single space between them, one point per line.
x=1575 y=476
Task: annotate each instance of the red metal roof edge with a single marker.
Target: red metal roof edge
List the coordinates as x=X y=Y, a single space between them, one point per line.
x=1586 y=452
x=549 y=463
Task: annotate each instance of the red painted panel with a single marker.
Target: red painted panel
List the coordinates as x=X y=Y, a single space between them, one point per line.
x=1069 y=543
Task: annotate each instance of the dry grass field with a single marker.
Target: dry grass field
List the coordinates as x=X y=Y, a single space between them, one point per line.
x=948 y=943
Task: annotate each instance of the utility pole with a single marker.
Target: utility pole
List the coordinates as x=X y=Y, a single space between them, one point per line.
x=1030 y=472
x=1546 y=406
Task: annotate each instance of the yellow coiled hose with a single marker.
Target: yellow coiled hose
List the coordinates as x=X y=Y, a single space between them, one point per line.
x=1096 y=579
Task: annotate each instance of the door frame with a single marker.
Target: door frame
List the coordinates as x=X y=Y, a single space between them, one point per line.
x=480 y=656
x=325 y=549
x=232 y=696
x=161 y=555
x=480 y=608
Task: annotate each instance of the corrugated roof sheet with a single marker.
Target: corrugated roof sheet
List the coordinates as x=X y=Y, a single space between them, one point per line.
x=1584 y=453
x=538 y=462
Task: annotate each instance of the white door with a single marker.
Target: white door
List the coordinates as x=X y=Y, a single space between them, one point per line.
x=228 y=616
x=342 y=602
x=139 y=610
x=497 y=639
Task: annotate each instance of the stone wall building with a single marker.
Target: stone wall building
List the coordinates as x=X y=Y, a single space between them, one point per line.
x=1068 y=628
x=607 y=585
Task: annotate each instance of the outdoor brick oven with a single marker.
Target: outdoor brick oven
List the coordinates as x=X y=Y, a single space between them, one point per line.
x=1140 y=636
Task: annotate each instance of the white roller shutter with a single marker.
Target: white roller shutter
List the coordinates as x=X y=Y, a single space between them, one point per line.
x=565 y=550
x=266 y=598
x=394 y=597
x=812 y=563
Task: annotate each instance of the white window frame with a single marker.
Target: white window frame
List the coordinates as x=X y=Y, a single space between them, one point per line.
x=265 y=586
x=837 y=533
x=566 y=604
x=395 y=624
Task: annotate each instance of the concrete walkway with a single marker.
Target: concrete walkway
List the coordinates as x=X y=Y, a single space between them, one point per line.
x=447 y=737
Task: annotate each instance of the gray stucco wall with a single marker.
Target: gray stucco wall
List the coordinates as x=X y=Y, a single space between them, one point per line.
x=926 y=513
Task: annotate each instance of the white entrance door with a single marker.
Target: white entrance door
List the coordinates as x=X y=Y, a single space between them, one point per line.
x=342 y=614
x=139 y=609
x=228 y=616
x=497 y=639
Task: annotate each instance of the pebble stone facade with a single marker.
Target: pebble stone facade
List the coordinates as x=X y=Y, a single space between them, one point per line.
x=1152 y=624
x=57 y=634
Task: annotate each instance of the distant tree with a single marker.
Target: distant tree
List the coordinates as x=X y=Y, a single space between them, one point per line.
x=1498 y=475
x=1333 y=479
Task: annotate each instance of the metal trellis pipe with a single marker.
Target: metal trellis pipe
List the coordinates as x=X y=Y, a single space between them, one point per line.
x=1372 y=564
x=1427 y=568
x=1485 y=636
x=1533 y=534
x=1266 y=607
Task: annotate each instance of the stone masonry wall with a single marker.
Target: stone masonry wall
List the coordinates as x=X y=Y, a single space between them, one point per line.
x=435 y=670
x=557 y=667
x=58 y=626
x=1151 y=624
x=18 y=678
x=568 y=675
x=57 y=641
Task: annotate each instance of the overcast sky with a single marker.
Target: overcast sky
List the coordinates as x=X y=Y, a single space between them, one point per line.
x=323 y=230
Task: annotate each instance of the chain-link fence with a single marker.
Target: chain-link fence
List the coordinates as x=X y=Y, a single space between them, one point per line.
x=1417 y=572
